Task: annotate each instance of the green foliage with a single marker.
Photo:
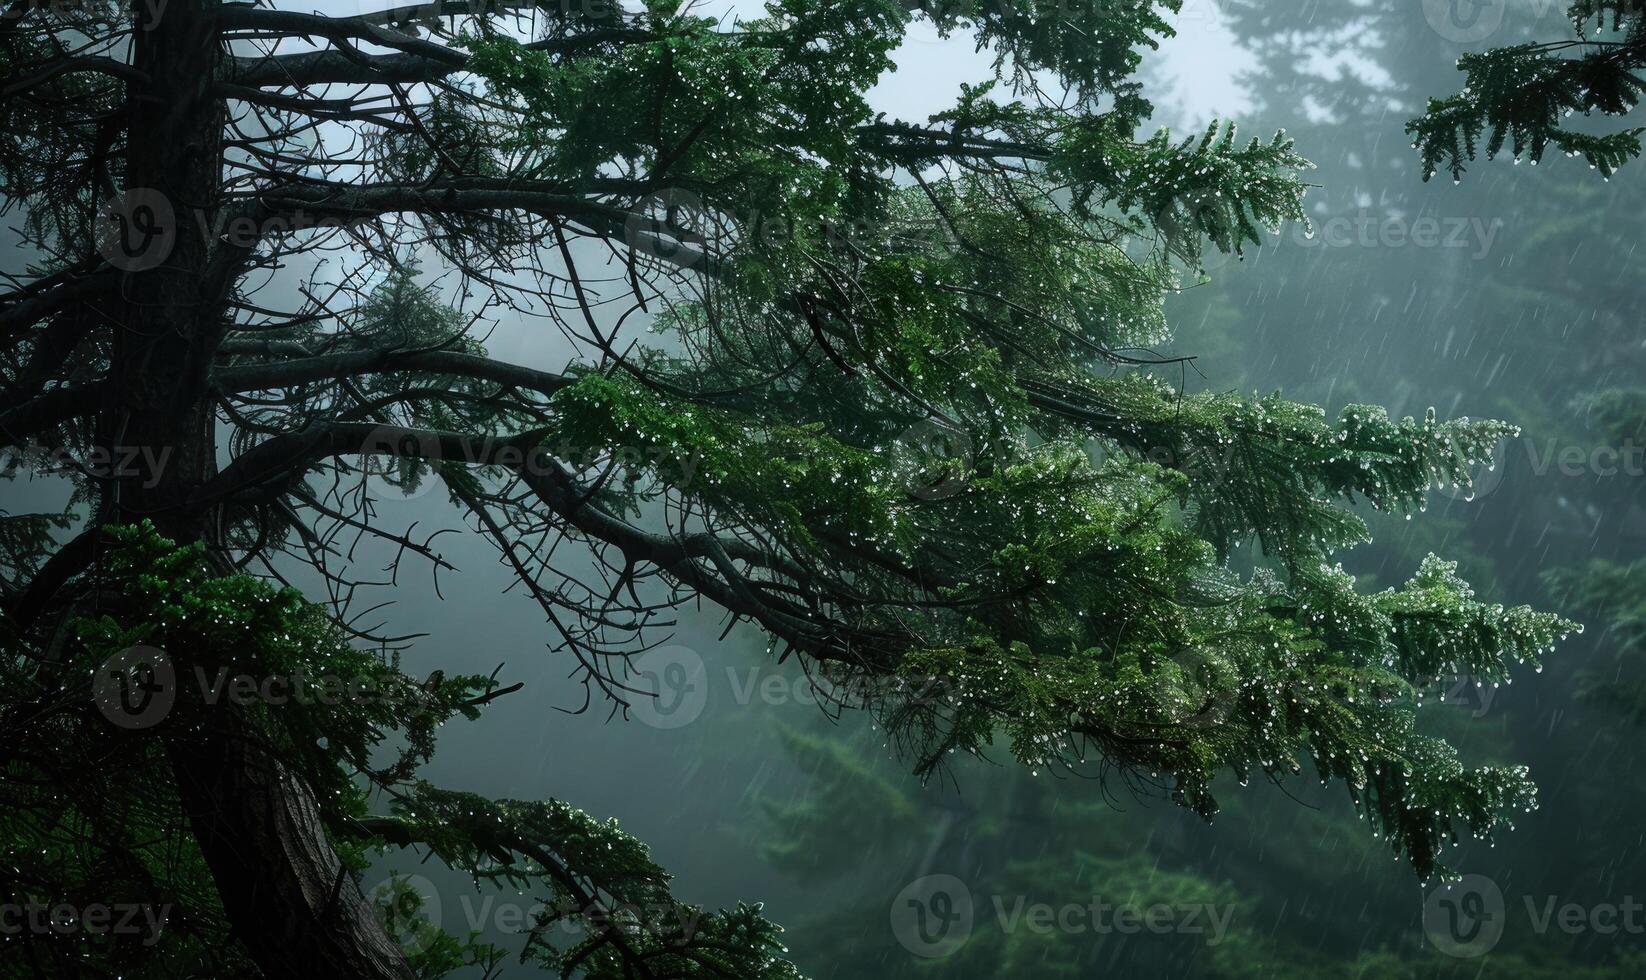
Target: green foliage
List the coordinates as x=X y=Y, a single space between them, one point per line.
x=215 y=628
x=351 y=726
x=1261 y=912
x=25 y=540
x=819 y=843
x=1196 y=193
x=1613 y=594
x=605 y=906
x=1268 y=677
x=796 y=481
x=1524 y=94
x=1620 y=414
x=1091 y=47
x=1044 y=558
x=1228 y=675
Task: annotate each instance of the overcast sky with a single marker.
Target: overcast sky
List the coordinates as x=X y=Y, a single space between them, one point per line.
x=1198 y=66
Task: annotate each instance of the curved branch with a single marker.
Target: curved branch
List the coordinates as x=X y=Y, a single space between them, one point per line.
x=282 y=374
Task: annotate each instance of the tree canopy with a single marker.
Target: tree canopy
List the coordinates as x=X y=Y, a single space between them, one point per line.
x=901 y=407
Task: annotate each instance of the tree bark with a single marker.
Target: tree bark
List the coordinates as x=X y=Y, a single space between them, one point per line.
x=293 y=906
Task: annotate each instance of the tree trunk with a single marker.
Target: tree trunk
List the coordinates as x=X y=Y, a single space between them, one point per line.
x=292 y=904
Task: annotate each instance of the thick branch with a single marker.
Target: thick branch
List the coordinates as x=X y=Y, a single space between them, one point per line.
x=283 y=374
